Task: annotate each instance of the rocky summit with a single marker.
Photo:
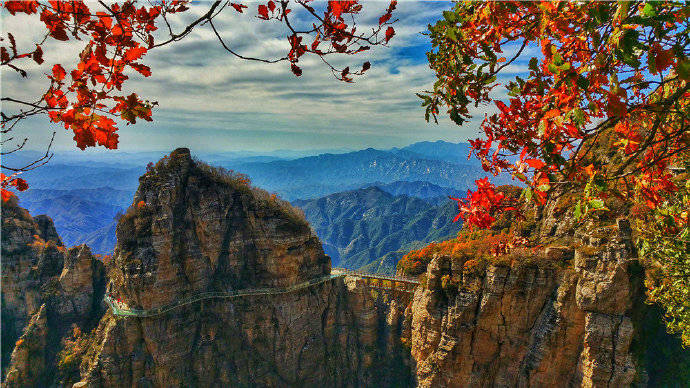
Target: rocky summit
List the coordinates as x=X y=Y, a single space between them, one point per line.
x=214 y=282
x=194 y=229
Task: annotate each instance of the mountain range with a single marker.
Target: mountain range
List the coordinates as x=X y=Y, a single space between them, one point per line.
x=81 y=216
x=369 y=207
x=360 y=227
x=316 y=176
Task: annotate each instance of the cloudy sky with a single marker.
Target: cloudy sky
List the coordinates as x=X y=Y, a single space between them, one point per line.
x=211 y=101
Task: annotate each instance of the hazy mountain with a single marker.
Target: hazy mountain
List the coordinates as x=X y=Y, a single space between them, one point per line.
x=361 y=226
x=315 y=176
x=102 y=240
x=106 y=195
x=438 y=150
x=76 y=218
x=84 y=176
x=423 y=190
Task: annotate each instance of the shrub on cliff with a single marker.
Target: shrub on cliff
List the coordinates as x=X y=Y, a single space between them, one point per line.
x=664 y=238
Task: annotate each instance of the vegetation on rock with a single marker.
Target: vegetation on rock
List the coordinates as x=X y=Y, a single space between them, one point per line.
x=664 y=238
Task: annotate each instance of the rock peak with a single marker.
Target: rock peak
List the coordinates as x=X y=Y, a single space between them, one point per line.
x=195 y=228
x=181 y=152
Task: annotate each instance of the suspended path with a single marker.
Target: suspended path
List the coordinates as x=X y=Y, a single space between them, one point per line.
x=376 y=281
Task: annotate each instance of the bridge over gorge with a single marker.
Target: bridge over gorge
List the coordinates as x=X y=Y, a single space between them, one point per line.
x=374 y=281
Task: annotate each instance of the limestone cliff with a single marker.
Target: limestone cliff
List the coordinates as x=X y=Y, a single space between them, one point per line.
x=47 y=290
x=571 y=314
x=31 y=254
x=196 y=229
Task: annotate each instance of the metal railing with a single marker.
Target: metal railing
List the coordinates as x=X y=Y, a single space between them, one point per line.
x=121 y=309
x=367 y=275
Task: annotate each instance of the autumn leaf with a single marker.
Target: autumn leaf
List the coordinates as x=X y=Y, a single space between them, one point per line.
x=238 y=7
x=389 y=33
x=21 y=184
x=142 y=69
x=6 y=195
x=263 y=12
x=134 y=53
x=295 y=69
x=38 y=55
x=535 y=163
x=59 y=72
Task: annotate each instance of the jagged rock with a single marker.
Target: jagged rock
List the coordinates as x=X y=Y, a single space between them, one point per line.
x=46 y=229
x=28 y=367
x=531 y=325
x=77 y=282
x=45 y=290
x=606 y=361
x=193 y=229
x=478 y=335
x=31 y=254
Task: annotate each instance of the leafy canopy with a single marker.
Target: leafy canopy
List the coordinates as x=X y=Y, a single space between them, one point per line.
x=607 y=75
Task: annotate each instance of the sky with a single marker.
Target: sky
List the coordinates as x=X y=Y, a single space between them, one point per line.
x=212 y=102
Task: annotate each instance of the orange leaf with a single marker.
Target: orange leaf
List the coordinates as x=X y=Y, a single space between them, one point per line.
x=134 y=53
x=58 y=72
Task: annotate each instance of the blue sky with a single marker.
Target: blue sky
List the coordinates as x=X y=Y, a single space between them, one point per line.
x=212 y=102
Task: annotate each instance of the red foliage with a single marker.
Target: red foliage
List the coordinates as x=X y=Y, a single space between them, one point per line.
x=479 y=207
x=475 y=245
x=11 y=181
x=572 y=95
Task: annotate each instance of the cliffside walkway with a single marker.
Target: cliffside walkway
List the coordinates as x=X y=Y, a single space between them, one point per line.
x=367 y=275
x=373 y=280
x=381 y=282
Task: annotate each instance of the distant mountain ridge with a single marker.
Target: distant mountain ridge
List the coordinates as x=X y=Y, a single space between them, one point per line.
x=99 y=185
x=424 y=190
x=456 y=153
x=105 y=194
x=362 y=226
x=316 y=176
x=79 y=218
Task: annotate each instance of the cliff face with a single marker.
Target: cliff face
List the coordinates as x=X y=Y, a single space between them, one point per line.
x=570 y=317
x=46 y=289
x=194 y=229
x=31 y=254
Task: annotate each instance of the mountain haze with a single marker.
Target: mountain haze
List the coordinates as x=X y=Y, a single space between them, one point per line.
x=92 y=188
x=325 y=174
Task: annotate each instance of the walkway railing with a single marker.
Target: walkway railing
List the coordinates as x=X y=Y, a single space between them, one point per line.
x=361 y=274
x=121 y=309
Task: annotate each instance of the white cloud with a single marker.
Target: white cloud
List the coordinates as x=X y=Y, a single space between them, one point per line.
x=195 y=79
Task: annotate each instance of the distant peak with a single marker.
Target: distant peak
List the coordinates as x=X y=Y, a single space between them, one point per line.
x=181 y=152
